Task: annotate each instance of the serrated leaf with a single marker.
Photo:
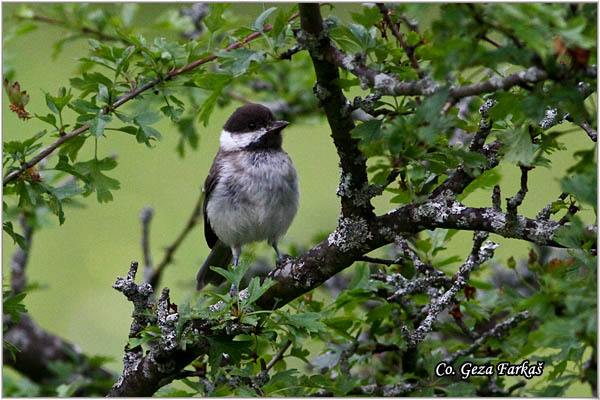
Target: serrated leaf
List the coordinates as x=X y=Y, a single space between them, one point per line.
x=309 y=321
x=18 y=239
x=98 y=123
x=103 y=95
x=147 y=118
x=238 y=61
x=83 y=106
x=259 y=23
x=207 y=107
x=210 y=81
x=214 y=20
x=518 y=147
x=100 y=182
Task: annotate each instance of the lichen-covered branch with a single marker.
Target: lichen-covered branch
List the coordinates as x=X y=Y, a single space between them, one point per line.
x=354 y=188
x=480 y=253
x=421 y=267
x=387 y=84
x=461 y=178
x=512 y=203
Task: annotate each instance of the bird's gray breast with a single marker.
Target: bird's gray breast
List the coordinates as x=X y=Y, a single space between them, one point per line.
x=256 y=197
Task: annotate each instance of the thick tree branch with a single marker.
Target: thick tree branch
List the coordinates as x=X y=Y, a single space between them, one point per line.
x=387 y=84
x=354 y=188
x=131 y=95
x=294 y=277
x=18 y=278
x=39 y=349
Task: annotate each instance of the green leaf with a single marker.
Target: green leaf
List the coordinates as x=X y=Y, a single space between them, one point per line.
x=517 y=146
x=259 y=24
x=50 y=104
x=187 y=130
x=71 y=148
x=98 y=123
x=360 y=278
x=461 y=389
x=371 y=136
x=13 y=305
x=212 y=81
x=256 y=290
x=103 y=95
x=100 y=182
x=308 y=321
x=68 y=190
x=81 y=106
x=233 y=275
x=48 y=118
x=412 y=38
x=582 y=186
x=208 y=107
x=173 y=113
x=18 y=239
x=238 y=61
x=214 y=20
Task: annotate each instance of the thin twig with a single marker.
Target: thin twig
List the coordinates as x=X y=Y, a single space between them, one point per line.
x=278 y=356
x=424 y=268
x=496 y=200
x=512 y=203
x=547 y=210
x=375 y=260
x=591 y=132
x=154 y=278
x=134 y=93
x=84 y=29
x=146 y=216
x=464 y=328
x=409 y=50
x=500 y=329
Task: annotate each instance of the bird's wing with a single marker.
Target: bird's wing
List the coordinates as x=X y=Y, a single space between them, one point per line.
x=209 y=185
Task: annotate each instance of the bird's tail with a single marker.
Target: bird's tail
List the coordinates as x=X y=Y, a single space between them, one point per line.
x=220 y=256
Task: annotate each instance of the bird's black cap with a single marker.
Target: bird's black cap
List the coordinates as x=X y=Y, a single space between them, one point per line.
x=249 y=118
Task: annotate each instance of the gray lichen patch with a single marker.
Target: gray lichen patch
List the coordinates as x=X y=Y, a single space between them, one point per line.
x=383 y=82
x=351 y=234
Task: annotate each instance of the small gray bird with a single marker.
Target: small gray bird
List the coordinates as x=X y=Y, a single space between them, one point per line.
x=251 y=191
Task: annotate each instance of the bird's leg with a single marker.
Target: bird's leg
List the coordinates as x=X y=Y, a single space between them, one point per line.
x=236 y=251
x=276 y=250
x=280 y=257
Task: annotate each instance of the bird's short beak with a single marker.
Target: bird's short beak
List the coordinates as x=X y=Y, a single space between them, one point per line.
x=278 y=125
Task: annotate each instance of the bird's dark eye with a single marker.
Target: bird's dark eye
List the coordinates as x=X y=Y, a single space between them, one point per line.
x=252 y=125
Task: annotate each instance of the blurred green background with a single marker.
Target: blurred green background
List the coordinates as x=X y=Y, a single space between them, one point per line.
x=77 y=263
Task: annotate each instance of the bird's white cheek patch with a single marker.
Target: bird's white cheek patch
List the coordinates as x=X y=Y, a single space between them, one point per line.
x=232 y=142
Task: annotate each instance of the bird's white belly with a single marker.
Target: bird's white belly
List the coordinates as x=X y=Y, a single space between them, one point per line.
x=254 y=203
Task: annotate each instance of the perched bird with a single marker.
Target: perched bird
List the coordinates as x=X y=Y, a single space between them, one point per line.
x=251 y=191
